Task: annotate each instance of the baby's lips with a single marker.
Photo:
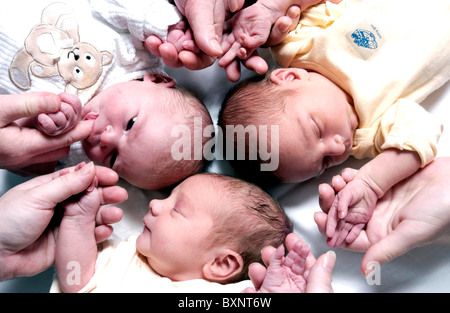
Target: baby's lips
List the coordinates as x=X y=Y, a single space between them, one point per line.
x=91 y=116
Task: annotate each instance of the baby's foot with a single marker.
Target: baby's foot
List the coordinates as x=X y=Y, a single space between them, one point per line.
x=287 y=274
x=64 y=120
x=83 y=209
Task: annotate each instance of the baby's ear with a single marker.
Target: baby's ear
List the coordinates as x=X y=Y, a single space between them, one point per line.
x=162 y=80
x=282 y=75
x=225 y=265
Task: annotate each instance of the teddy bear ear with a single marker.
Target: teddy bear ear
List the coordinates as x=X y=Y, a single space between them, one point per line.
x=106 y=58
x=18 y=71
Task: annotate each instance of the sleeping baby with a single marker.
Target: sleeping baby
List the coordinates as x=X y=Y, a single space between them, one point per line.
x=202 y=238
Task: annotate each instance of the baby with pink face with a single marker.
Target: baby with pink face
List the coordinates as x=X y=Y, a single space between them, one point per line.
x=210 y=228
x=132 y=127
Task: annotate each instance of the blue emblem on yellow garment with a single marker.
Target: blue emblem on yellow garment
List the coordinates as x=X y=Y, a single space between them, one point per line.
x=364 y=38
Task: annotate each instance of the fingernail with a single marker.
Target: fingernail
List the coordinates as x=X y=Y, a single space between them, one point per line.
x=51 y=102
x=93 y=185
x=233 y=5
x=216 y=46
x=284 y=28
x=87 y=169
x=329 y=261
x=79 y=166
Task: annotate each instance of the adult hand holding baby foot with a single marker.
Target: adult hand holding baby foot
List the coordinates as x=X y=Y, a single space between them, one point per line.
x=298 y=271
x=23 y=146
x=29 y=248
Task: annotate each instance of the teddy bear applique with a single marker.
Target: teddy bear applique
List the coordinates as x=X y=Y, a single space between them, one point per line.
x=53 y=48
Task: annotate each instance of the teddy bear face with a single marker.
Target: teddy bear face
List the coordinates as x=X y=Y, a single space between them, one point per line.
x=82 y=65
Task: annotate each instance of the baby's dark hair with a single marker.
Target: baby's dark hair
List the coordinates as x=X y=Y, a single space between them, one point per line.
x=248 y=221
x=256 y=101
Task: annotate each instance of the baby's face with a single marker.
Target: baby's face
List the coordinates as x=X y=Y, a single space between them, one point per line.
x=316 y=131
x=131 y=131
x=176 y=230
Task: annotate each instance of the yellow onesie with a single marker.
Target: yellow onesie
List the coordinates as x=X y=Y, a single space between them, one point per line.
x=388 y=56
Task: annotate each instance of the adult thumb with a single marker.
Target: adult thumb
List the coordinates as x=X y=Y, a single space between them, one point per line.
x=66 y=185
x=395 y=244
x=321 y=274
x=13 y=107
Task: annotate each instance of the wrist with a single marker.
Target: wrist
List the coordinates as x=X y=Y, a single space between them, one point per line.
x=371 y=184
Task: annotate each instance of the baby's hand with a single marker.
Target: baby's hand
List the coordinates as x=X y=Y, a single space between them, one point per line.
x=64 y=120
x=350 y=211
x=250 y=29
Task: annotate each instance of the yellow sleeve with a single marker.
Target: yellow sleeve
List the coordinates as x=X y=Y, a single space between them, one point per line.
x=404 y=126
x=300 y=40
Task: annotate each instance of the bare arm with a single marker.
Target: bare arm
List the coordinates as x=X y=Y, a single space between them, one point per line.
x=389 y=168
x=353 y=206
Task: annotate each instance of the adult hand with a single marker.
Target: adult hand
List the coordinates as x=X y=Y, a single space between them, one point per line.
x=301 y=273
x=27 y=244
x=413 y=213
x=21 y=147
x=207 y=18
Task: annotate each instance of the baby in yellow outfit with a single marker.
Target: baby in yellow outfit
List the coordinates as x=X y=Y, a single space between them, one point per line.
x=351 y=79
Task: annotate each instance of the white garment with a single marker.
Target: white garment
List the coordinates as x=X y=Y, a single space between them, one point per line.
x=118 y=27
x=120 y=268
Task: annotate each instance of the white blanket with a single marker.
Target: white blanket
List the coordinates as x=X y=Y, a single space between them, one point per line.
x=421 y=270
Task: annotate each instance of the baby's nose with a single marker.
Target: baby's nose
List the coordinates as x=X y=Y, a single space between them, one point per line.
x=155 y=208
x=338 y=146
x=108 y=137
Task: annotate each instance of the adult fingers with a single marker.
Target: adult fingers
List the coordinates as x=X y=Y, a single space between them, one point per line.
x=112 y=194
x=62 y=187
x=37 y=143
x=321 y=220
x=169 y=54
x=108 y=215
x=321 y=274
x=256 y=63
x=326 y=197
x=349 y=174
x=235 y=5
x=233 y=71
x=102 y=233
x=257 y=273
x=152 y=44
x=206 y=18
x=13 y=107
x=283 y=26
x=397 y=243
x=106 y=176
x=194 y=61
